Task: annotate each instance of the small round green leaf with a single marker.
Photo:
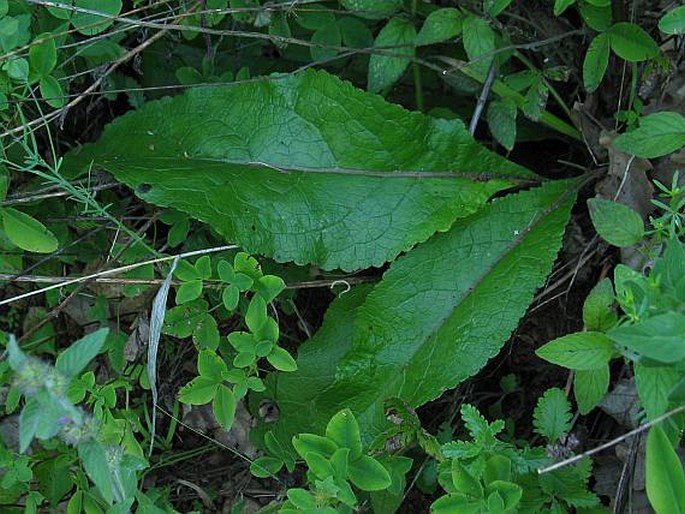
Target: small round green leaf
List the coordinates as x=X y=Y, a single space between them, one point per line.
x=265 y=467
x=343 y=429
x=43 y=56
x=630 y=42
x=52 y=92
x=26 y=232
x=615 y=222
x=368 y=474
x=17 y=69
x=188 y=291
x=198 y=391
x=281 y=359
x=230 y=297
x=269 y=287
x=673 y=22
x=91 y=24
x=224 y=406
x=256 y=316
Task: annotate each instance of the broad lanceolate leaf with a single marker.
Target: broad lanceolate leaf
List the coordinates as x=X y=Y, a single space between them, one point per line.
x=299 y=168
x=615 y=222
x=432 y=321
x=596 y=61
x=26 y=232
x=665 y=479
x=590 y=386
x=579 y=351
x=659 y=337
x=399 y=37
x=659 y=134
x=72 y=360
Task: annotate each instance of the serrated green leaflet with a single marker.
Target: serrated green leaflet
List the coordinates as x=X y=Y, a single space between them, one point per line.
x=298 y=168
x=432 y=322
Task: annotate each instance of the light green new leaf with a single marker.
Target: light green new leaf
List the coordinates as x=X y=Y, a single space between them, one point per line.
x=198 y=391
x=659 y=337
x=343 y=430
x=665 y=479
x=630 y=42
x=479 y=42
x=615 y=222
x=440 y=25
x=223 y=406
x=590 y=386
x=579 y=351
x=659 y=134
x=368 y=474
x=596 y=62
x=299 y=168
x=398 y=36
x=431 y=322
x=211 y=365
x=72 y=360
x=27 y=232
x=673 y=22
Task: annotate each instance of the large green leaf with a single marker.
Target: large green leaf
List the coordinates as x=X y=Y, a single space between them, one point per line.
x=299 y=168
x=435 y=319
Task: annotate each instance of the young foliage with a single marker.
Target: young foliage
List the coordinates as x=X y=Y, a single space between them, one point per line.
x=271 y=179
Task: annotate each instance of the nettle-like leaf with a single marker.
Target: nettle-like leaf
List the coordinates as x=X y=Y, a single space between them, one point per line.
x=399 y=37
x=596 y=62
x=552 y=416
x=302 y=168
x=431 y=323
x=615 y=222
x=659 y=134
x=440 y=25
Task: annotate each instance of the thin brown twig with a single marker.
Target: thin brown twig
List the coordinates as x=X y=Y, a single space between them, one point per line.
x=63 y=281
